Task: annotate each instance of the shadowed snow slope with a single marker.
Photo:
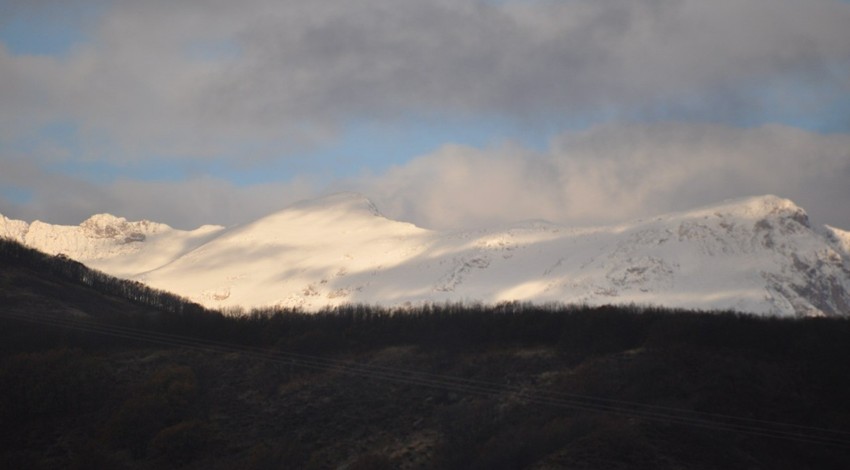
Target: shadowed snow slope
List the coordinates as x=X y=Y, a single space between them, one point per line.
x=756 y=255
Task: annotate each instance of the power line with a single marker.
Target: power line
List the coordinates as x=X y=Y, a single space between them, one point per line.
x=587 y=403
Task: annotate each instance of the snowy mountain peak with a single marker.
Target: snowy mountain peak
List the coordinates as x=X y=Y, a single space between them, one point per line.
x=327 y=220
x=343 y=202
x=14 y=229
x=757 y=255
x=118 y=228
x=754 y=208
x=104 y=219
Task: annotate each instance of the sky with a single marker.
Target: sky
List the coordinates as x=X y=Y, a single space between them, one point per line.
x=451 y=114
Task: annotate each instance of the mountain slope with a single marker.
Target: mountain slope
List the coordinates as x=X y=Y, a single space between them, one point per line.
x=443 y=387
x=757 y=255
x=302 y=256
x=41 y=287
x=109 y=243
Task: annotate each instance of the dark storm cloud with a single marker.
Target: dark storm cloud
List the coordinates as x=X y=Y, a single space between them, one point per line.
x=535 y=60
x=300 y=70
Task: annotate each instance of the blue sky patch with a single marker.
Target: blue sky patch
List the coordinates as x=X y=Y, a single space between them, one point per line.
x=49 y=30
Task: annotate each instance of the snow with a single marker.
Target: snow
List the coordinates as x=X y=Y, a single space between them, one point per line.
x=840 y=239
x=755 y=255
x=110 y=243
x=14 y=229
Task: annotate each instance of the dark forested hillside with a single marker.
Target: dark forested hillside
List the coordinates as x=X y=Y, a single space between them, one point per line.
x=97 y=372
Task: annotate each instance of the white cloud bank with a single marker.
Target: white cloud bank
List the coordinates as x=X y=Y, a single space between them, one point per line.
x=615 y=173
x=607 y=174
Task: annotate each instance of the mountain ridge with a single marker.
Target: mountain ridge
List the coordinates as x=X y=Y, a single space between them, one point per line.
x=758 y=255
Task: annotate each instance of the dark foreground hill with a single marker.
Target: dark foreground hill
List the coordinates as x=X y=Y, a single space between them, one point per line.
x=101 y=373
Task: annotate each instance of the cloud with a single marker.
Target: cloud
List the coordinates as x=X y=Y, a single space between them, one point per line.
x=284 y=74
x=197 y=82
x=607 y=174
x=186 y=204
x=615 y=173
x=462 y=187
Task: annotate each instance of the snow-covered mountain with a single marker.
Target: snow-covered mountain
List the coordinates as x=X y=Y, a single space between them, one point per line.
x=110 y=244
x=756 y=255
